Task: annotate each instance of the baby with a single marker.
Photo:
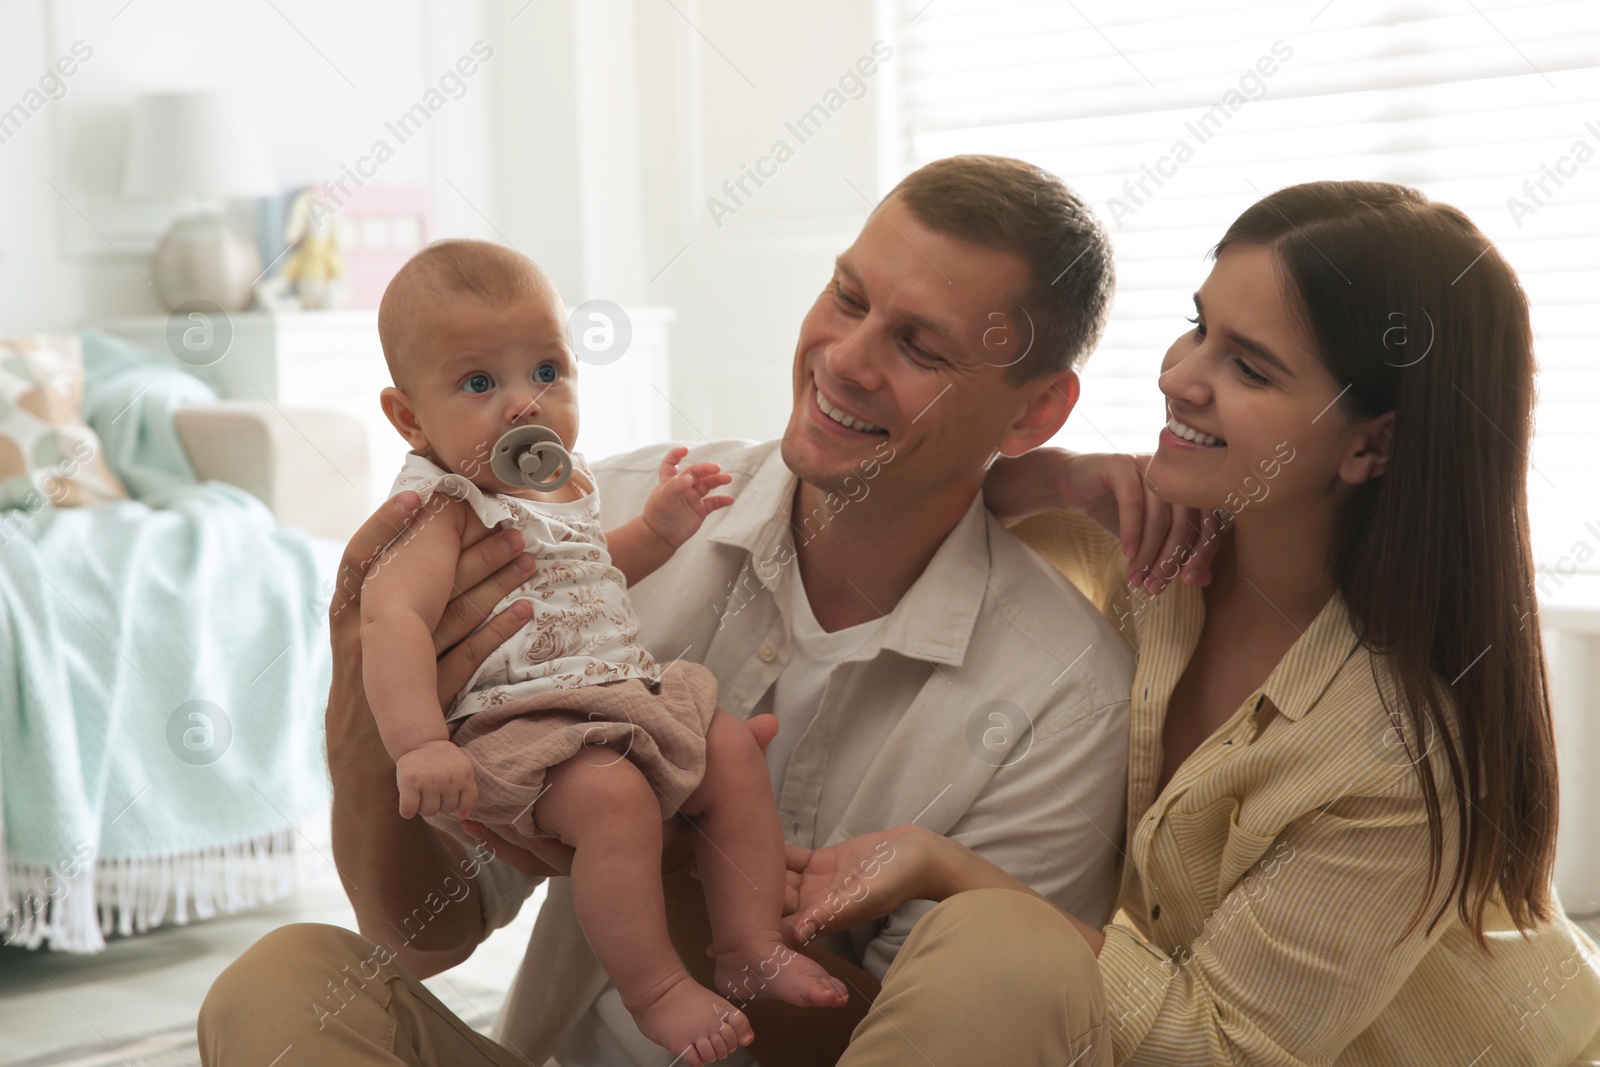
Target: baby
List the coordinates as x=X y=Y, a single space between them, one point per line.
x=571 y=729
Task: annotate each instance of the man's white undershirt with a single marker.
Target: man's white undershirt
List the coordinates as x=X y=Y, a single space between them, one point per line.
x=797 y=694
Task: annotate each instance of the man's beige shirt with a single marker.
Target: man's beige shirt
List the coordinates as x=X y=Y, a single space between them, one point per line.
x=992 y=707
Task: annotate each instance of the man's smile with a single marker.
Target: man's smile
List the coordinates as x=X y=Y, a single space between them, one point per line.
x=840 y=417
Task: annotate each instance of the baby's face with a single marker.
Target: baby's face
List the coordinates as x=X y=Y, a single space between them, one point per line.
x=476 y=370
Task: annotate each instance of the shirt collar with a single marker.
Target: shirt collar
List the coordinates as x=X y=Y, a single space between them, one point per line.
x=1304 y=674
x=759 y=515
x=933 y=621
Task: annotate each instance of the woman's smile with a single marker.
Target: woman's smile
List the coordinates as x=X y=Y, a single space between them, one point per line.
x=1179 y=434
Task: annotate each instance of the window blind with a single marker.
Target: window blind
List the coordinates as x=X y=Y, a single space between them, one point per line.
x=1171 y=120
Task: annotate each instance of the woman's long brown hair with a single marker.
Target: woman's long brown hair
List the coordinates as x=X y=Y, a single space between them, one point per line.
x=1408 y=303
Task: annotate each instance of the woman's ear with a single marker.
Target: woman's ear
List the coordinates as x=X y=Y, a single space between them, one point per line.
x=397 y=406
x=1369 y=457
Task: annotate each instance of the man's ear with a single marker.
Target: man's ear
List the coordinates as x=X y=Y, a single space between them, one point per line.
x=1052 y=399
x=1373 y=442
x=397 y=406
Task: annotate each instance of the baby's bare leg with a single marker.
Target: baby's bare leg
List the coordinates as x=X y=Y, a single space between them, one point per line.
x=602 y=806
x=740 y=855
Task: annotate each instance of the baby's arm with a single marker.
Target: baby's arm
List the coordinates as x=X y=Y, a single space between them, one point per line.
x=676 y=508
x=402 y=599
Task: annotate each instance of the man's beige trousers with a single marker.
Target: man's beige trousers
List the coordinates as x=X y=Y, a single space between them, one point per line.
x=989 y=976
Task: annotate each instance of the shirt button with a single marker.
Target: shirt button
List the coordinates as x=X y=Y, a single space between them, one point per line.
x=767 y=653
x=1155 y=912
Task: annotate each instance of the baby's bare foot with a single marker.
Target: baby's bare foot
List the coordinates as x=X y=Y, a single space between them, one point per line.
x=690 y=1020
x=767 y=969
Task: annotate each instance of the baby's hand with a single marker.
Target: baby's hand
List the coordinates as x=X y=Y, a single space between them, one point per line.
x=434 y=777
x=678 y=506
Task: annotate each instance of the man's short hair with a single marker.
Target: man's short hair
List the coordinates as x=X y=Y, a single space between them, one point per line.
x=1013 y=206
x=492 y=272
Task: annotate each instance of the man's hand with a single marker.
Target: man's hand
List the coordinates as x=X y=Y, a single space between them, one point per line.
x=536 y=856
x=487 y=572
x=389 y=864
x=678 y=504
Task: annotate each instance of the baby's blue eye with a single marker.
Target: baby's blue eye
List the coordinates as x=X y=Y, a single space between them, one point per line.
x=546 y=373
x=479 y=383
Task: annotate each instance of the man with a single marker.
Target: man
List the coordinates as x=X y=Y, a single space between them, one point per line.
x=922 y=665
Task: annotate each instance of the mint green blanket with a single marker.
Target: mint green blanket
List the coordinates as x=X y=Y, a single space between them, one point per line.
x=164 y=663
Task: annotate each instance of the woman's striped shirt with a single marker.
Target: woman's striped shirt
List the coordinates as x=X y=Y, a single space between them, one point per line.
x=1264 y=891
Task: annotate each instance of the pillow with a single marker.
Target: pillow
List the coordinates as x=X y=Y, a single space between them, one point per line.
x=130 y=396
x=48 y=454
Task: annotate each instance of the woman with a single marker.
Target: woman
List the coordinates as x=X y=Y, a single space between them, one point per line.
x=1306 y=880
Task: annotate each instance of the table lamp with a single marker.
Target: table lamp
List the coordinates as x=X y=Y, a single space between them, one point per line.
x=202 y=146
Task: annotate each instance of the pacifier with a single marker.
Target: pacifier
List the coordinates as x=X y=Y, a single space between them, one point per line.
x=532 y=456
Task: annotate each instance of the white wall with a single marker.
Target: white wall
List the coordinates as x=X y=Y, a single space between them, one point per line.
x=322 y=78
x=715 y=101
x=619 y=119
x=591 y=141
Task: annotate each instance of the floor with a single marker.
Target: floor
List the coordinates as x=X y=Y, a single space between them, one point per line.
x=52 y=1001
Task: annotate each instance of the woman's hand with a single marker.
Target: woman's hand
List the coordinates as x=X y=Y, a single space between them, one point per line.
x=861 y=879
x=1163 y=542
x=872 y=875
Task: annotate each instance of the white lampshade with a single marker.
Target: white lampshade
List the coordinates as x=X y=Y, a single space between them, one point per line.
x=195 y=142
